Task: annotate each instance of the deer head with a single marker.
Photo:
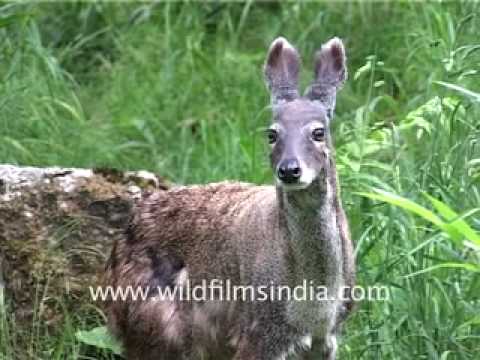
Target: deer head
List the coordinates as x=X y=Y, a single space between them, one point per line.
x=300 y=131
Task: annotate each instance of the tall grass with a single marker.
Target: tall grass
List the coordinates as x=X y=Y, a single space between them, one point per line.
x=177 y=89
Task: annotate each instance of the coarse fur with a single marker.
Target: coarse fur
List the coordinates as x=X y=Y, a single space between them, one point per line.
x=259 y=236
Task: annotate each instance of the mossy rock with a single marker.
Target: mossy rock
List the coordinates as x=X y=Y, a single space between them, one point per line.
x=56 y=230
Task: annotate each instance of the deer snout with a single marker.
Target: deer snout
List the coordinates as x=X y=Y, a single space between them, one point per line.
x=289 y=171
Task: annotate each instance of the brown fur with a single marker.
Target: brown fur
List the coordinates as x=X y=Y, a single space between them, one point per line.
x=249 y=235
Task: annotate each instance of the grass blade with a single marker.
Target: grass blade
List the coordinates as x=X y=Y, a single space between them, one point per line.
x=473 y=95
x=463 y=266
x=457 y=223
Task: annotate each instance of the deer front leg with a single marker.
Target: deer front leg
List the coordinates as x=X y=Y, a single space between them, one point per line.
x=245 y=353
x=268 y=342
x=253 y=349
x=323 y=348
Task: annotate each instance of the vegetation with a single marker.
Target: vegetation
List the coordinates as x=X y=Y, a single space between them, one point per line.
x=176 y=88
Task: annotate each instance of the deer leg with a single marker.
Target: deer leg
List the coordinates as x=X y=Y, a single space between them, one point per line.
x=323 y=348
x=262 y=346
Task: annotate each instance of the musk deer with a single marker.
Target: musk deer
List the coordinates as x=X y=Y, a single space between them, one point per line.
x=259 y=237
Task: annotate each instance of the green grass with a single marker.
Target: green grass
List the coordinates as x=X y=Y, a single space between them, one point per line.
x=177 y=89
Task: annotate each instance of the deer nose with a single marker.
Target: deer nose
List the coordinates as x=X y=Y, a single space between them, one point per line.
x=289 y=171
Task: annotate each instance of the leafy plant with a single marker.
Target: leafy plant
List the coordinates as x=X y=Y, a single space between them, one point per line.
x=446 y=220
x=99 y=337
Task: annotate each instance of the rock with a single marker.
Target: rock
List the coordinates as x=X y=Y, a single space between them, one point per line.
x=57 y=226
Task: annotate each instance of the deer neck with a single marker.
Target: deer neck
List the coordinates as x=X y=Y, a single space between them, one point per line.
x=309 y=221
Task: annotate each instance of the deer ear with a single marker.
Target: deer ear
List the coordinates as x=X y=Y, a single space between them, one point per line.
x=330 y=74
x=281 y=71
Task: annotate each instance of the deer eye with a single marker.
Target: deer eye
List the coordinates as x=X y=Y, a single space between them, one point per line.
x=272 y=136
x=318 y=134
